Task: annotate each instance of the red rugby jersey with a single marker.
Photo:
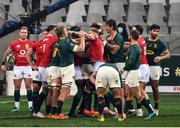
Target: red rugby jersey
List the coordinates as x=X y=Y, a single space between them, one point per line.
x=19 y=48
x=142 y=44
x=96 y=50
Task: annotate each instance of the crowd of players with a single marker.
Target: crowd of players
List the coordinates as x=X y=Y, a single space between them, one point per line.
x=106 y=63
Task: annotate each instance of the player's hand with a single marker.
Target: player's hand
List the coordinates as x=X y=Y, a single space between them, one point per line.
x=34 y=67
x=157 y=59
x=82 y=34
x=3 y=68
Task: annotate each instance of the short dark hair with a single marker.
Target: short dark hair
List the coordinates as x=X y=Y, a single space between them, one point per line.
x=50 y=27
x=154 y=26
x=24 y=27
x=134 y=34
x=60 y=30
x=95 y=27
x=139 y=28
x=112 y=23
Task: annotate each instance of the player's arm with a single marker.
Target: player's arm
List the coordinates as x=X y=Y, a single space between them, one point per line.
x=7 y=52
x=131 y=60
x=81 y=46
x=165 y=55
x=115 y=48
x=126 y=45
x=89 y=36
x=92 y=78
x=28 y=55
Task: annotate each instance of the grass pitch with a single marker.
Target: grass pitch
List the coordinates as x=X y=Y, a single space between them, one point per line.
x=169 y=116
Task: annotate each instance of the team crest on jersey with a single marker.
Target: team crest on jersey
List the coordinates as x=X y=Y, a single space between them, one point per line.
x=27 y=46
x=18 y=46
x=155 y=45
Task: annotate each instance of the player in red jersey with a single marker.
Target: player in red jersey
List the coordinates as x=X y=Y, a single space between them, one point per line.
x=22 y=69
x=144 y=68
x=96 y=59
x=47 y=44
x=36 y=78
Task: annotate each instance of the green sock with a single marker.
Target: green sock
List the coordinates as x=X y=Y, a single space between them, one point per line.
x=75 y=102
x=16 y=95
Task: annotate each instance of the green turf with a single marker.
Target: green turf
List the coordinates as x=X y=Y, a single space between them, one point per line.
x=169 y=116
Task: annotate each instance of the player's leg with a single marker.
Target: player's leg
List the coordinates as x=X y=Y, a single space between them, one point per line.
x=80 y=83
x=28 y=84
x=77 y=97
x=17 y=80
x=27 y=71
x=133 y=80
x=155 y=76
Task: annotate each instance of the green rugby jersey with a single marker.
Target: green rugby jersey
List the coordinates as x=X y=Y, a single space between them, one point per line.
x=154 y=48
x=66 y=52
x=55 y=59
x=118 y=56
x=133 y=57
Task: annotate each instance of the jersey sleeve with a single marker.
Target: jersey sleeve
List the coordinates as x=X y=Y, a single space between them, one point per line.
x=131 y=58
x=119 y=40
x=163 y=47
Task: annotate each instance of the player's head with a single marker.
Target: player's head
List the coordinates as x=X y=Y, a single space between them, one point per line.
x=44 y=32
x=121 y=28
x=94 y=28
x=50 y=29
x=23 y=33
x=111 y=25
x=134 y=35
x=61 y=31
x=139 y=28
x=154 y=31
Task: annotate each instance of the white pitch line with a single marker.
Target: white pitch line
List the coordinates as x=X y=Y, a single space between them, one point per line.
x=10 y=101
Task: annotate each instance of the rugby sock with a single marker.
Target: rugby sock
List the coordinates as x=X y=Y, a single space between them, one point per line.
x=41 y=98
x=75 y=102
x=35 y=102
x=108 y=97
x=118 y=104
x=128 y=102
x=87 y=100
x=17 y=98
x=138 y=105
x=101 y=104
x=81 y=108
x=131 y=105
x=156 y=105
x=95 y=102
x=30 y=98
x=145 y=103
x=60 y=104
x=17 y=104
x=48 y=109
x=53 y=110
x=148 y=101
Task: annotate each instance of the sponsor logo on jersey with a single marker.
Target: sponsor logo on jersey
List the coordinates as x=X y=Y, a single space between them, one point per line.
x=27 y=46
x=150 y=52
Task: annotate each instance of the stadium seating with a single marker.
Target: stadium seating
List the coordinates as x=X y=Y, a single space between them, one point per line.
x=157 y=1
x=165 y=13
x=144 y=2
x=94 y=17
x=97 y=7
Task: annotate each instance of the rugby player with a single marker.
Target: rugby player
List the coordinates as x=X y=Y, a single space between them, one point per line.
x=22 y=70
x=156 y=52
